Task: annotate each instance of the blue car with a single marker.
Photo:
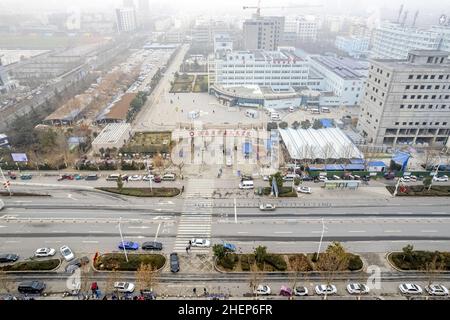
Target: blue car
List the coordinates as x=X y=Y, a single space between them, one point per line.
x=229 y=246
x=128 y=245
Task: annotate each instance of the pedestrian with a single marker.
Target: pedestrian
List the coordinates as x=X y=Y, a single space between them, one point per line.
x=190 y=243
x=204 y=291
x=194 y=291
x=187 y=250
x=182 y=189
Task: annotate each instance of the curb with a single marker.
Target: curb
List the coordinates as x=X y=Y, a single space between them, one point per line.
x=107 y=271
x=33 y=271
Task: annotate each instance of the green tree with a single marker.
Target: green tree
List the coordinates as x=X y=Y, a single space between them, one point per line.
x=283 y=125
x=279 y=180
x=260 y=254
x=427 y=182
x=120 y=183
x=317 y=124
x=305 y=124
x=219 y=251
x=272 y=126
x=295 y=125
x=297 y=181
x=408 y=252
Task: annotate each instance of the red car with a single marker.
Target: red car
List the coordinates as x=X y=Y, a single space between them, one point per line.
x=65 y=177
x=157 y=179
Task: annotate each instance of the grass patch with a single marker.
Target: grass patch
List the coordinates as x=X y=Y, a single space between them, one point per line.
x=182 y=83
x=420 y=260
x=32 y=265
x=201 y=84
x=422 y=191
x=283 y=192
x=117 y=262
x=23 y=194
x=149 y=143
x=144 y=192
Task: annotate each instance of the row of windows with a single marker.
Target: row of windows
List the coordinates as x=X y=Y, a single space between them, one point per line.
x=418 y=123
x=416 y=106
x=418 y=97
x=431 y=77
x=428 y=87
x=380 y=71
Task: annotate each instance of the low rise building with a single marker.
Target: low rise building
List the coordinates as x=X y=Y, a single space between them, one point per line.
x=114 y=135
x=355 y=47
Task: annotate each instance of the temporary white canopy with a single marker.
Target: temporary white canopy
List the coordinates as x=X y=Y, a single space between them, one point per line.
x=327 y=143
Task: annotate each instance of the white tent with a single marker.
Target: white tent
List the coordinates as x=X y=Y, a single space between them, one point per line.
x=327 y=143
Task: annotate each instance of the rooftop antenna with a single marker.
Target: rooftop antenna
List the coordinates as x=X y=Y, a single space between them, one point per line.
x=415 y=18
x=405 y=16
x=400 y=13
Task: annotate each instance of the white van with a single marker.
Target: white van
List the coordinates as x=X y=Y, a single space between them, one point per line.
x=275 y=116
x=325 y=110
x=291 y=109
x=246 y=184
x=168 y=177
x=314 y=110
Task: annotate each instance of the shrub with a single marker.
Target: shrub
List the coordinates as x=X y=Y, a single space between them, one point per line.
x=219 y=251
x=276 y=261
x=117 y=261
x=228 y=261
x=354 y=262
x=272 y=126
x=283 y=125
x=260 y=253
x=32 y=265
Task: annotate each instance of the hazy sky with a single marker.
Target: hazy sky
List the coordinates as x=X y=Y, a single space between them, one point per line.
x=232 y=6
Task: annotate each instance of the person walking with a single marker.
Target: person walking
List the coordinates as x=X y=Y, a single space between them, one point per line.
x=187 y=250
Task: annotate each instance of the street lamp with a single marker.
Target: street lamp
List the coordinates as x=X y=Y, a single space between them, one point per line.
x=121 y=237
x=321 y=238
x=435 y=173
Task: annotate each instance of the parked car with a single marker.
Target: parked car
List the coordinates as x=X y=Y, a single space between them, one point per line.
x=410 y=288
x=65 y=177
x=78 y=177
x=92 y=177
x=323 y=289
x=300 y=291
x=290 y=177
x=307 y=178
x=304 y=190
x=267 y=207
x=66 y=253
x=357 y=288
x=135 y=177
x=157 y=179
x=26 y=176
x=33 y=287
x=152 y=245
x=200 y=242
x=174 y=262
x=77 y=263
x=12 y=176
x=285 y=291
x=323 y=178
x=8 y=257
x=443 y=178
x=126 y=287
x=148 y=177
x=262 y=290
x=437 y=290
x=389 y=176
x=168 y=177
x=128 y=245
x=229 y=246
x=266 y=178
x=45 y=252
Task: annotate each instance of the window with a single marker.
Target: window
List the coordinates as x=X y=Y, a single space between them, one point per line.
x=444 y=123
x=443 y=106
x=404 y=123
x=409 y=106
x=432 y=77
x=430 y=60
x=407 y=87
x=402 y=106
x=388 y=74
x=416 y=106
x=416 y=87
x=410 y=76
x=441 y=77
x=428 y=87
x=413 y=96
x=430 y=106
x=419 y=96
x=419 y=77
x=425 y=96
x=405 y=97
x=447 y=96
x=410 y=123
x=425 y=77
x=436 y=87
x=424 y=123
x=422 y=87
x=422 y=106
x=397 y=123
x=416 y=124
x=436 y=123
x=433 y=96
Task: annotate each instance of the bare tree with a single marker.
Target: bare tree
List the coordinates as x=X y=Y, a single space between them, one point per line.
x=158 y=162
x=434 y=267
x=85 y=276
x=112 y=278
x=255 y=279
x=299 y=266
x=6 y=282
x=333 y=260
x=147 y=277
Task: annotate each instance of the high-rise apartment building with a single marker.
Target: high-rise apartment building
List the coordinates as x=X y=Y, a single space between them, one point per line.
x=407 y=101
x=263 y=33
x=126 y=19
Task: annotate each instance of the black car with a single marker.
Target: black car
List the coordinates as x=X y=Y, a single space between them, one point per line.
x=9 y=257
x=174 y=262
x=31 y=287
x=307 y=178
x=77 y=263
x=152 y=245
x=92 y=177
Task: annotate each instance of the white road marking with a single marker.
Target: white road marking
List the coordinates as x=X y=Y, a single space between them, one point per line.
x=59 y=231
x=392 y=231
x=157 y=231
x=242 y=232
x=96 y=231
x=357 y=231
x=283 y=232
x=3 y=227
x=90 y=241
x=23 y=201
x=429 y=231
x=12 y=241
x=141 y=227
x=70 y=197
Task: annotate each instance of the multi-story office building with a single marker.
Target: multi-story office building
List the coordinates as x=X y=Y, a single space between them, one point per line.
x=355 y=47
x=343 y=76
x=307 y=28
x=263 y=33
x=278 y=69
x=126 y=19
x=395 y=41
x=223 y=43
x=407 y=101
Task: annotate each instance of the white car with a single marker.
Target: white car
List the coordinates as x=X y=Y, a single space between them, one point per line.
x=262 y=290
x=135 y=177
x=45 y=252
x=405 y=179
x=266 y=178
x=148 y=177
x=300 y=291
x=66 y=253
x=126 y=287
x=323 y=178
x=200 y=243
x=357 y=288
x=323 y=289
x=440 y=178
x=437 y=290
x=410 y=288
x=304 y=189
x=267 y=207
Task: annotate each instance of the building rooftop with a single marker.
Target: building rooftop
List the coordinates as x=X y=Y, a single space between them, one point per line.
x=112 y=133
x=345 y=68
x=118 y=110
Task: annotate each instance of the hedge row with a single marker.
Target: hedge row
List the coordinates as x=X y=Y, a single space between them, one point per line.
x=32 y=265
x=117 y=262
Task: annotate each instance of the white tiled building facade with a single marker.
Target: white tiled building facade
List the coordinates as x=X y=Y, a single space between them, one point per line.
x=407 y=101
x=264 y=68
x=394 y=41
x=353 y=46
x=126 y=19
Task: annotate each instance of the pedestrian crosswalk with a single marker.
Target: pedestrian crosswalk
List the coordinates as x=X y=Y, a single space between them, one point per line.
x=196 y=217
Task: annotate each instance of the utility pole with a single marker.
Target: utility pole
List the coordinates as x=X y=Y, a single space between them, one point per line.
x=321 y=237
x=435 y=173
x=121 y=237
x=6 y=182
x=396 y=187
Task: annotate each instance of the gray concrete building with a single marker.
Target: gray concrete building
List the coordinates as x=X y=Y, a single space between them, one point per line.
x=407 y=101
x=263 y=33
